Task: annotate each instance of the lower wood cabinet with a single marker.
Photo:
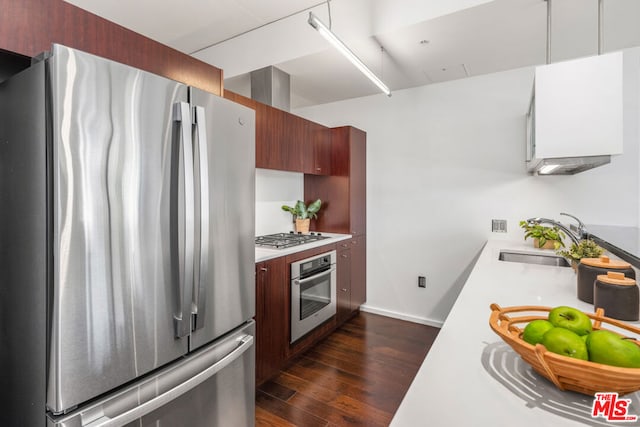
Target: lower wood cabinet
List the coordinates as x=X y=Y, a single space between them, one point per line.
x=273 y=293
x=352 y=277
x=272 y=315
x=358 y=272
x=343 y=265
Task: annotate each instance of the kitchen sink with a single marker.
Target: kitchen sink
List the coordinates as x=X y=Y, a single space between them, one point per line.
x=529 y=258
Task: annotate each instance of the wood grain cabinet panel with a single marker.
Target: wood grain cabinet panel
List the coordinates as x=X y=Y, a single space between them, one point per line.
x=358 y=272
x=317 y=149
x=357 y=182
x=344 y=204
x=272 y=317
x=292 y=142
x=287 y=142
x=343 y=289
x=352 y=279
x=279 y=135
x=269 y=137
x=29 y=27
x=344 y=192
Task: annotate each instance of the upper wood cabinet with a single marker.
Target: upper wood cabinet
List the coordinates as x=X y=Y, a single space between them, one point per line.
x=29 y=27
x=317 y=151
x=279 y=139
x=287 y=142
x=344 y=192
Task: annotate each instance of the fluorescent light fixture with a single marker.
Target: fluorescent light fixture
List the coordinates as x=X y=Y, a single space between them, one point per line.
x=343 y=49
x=548 y=169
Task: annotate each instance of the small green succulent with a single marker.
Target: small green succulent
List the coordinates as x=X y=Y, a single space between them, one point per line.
x=302 y=211
x=586 y=248
x=543 y=233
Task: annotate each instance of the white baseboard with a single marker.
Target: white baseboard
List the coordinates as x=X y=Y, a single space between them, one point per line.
x=402 y=316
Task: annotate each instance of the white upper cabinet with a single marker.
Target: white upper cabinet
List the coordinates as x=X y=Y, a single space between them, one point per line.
x=576 y=114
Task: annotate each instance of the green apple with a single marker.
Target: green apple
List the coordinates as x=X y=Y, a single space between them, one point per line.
x=535 y=329
x=566 y=343
x=570 y=318
x=612 y=349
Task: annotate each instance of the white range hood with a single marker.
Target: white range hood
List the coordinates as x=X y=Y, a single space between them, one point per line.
x=575 y=119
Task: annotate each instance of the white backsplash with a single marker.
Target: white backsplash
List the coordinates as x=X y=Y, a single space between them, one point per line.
x=274 y=189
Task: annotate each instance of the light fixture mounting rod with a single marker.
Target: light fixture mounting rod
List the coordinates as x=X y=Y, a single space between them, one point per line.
x=344 y=50
x=600 y=32
x=548 y=57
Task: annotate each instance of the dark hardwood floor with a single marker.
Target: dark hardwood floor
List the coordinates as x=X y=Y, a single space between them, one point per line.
x=356 y=376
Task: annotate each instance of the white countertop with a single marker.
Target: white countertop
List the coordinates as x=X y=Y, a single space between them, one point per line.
x=263 y=254
x=470 y=377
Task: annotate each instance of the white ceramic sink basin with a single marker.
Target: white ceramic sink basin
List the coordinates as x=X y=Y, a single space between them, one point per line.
x=529 y=258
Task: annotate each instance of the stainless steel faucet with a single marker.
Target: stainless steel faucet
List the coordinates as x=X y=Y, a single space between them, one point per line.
x=581 y=230
x=574 y=236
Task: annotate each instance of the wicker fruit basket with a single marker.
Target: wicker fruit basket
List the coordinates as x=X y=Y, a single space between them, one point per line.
x=565 y=372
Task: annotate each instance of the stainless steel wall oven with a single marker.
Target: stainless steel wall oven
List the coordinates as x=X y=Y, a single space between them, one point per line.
x=313 y=293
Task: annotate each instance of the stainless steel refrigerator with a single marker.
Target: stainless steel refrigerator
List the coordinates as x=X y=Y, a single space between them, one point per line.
x=126 y=249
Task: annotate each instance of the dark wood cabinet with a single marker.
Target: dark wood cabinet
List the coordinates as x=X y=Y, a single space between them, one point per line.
x=344 y=205
x=269 y=131
x=344 y=192
x=279 y=137
x=272 y=317
x=290 y=142
x=358 y=272
x=317 y=151
x=356 y=141
x=273 y=311
x=352 y=279
x=29 y=27
x=343 y=288
x=287 y=142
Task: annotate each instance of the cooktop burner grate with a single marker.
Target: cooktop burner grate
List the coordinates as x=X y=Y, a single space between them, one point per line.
x=287 y=240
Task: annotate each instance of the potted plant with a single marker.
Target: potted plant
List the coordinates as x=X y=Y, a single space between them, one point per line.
x=586 y=248
x=302 y=214
x=543 y=237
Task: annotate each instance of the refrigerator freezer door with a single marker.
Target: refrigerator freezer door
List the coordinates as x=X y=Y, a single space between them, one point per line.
x=118 y=229
x=224 y=290
x=211 y=387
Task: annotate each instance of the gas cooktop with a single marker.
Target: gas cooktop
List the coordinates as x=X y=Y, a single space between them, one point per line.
x=287 y=240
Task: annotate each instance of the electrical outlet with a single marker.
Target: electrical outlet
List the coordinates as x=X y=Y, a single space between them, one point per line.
x=422 y=282
x=499 y=225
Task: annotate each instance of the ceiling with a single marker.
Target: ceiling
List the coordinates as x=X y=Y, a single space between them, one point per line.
x=407 y=43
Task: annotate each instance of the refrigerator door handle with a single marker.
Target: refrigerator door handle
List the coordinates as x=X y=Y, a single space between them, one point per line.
x=245 y=343
x=182 y=321
x=200 y=292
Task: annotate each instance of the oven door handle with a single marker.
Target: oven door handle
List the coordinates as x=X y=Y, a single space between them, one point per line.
x=314 y=277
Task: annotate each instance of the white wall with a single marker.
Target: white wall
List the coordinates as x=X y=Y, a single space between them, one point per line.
x=274 y=189
x=442 y=161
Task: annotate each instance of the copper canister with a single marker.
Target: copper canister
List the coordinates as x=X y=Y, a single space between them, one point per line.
x=590 y=268
x=617 y=295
